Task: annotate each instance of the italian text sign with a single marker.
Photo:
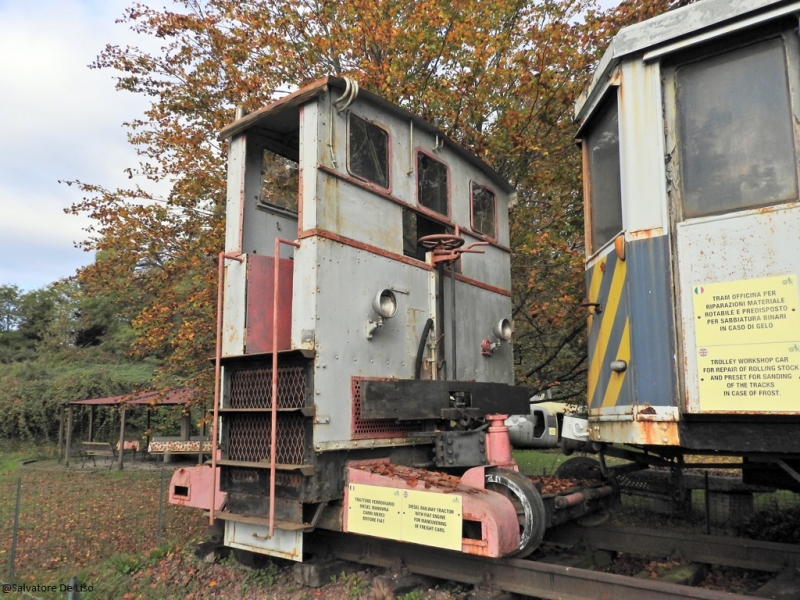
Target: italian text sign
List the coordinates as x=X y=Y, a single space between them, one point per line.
x=413 y=516
x=748 y=344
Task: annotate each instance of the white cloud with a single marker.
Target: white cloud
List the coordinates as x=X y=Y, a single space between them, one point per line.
x=60 y=121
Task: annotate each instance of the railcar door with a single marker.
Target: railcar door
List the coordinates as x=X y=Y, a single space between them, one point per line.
x=732 y=139
x=609 y=384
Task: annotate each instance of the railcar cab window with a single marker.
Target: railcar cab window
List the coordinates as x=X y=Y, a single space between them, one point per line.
x=602 y=153
x=432 y=184
x=368 y=151
x=735 y=130
x=483 y=210
x=416 y=226
x=280 y=181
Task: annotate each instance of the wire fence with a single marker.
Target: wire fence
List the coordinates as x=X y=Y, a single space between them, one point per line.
x=721 y=505
x=73 y=519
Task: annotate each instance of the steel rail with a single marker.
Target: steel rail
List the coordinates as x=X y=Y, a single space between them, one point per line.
x=525 y=577
x=714 y=550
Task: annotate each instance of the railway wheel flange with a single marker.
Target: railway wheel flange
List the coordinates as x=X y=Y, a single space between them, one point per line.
x=528 y=504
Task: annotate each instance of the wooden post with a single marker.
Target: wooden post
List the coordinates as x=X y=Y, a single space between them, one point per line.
x=91 y=423
x=121 y=450
x=60 y=433
x=69 y=434
x=186 y=428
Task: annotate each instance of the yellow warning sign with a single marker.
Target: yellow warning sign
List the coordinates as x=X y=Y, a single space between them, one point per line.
x=374 y=510
x=414 y=516
x=432 y=519
x=748 y=344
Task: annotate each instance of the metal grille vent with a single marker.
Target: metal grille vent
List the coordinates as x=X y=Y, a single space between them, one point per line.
x=374 y=428
x=645 y=486
x=245 y=475
x=252 y=388
x=292 y=480
x=242 y=475
x=249 y=438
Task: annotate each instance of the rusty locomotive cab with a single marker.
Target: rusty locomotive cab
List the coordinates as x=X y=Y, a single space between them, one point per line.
x=364 y=359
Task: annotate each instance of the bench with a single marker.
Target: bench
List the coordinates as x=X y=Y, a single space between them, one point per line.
x=98 y=449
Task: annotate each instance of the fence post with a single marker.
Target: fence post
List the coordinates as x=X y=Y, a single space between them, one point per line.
x=13 y=553
x=161 y=509
x=73 y=593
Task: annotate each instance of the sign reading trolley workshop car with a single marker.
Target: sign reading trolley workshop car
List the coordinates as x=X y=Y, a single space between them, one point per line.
x=413 y=516
x=748 y=344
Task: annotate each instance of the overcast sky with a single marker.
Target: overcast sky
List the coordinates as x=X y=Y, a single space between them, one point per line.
x=60 y=120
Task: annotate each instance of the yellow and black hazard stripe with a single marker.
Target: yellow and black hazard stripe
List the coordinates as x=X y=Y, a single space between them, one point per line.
x=609 y=333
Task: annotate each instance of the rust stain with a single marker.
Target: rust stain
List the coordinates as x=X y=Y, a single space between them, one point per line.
x=646 y=234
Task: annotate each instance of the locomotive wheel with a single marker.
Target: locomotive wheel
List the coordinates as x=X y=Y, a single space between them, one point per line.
x=580 y=467
x=527 y=502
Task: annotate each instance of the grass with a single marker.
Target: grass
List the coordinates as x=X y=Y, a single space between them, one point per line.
x=99 y=525
x=538 y=462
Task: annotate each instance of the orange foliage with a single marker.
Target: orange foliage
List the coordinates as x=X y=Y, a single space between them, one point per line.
x=499 y=76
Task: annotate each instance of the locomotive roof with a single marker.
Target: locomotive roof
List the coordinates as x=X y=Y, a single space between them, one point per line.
x=283 y=117
x=674 y=26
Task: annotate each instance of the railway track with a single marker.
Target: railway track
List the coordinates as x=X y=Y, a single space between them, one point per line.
x=542 y=579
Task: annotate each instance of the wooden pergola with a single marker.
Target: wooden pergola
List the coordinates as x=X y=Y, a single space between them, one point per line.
x=179 y=396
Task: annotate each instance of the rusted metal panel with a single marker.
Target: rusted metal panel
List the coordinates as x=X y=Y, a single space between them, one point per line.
x=234 y=307
x=284 y=543
x=495 y=512
x=737 y=246
x=191 y=486
x=648 y=433
x=260 y=298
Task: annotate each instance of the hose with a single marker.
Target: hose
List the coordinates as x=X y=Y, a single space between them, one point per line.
x=421 y=348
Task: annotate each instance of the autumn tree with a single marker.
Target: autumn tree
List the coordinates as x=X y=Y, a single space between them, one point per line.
x=498 y=76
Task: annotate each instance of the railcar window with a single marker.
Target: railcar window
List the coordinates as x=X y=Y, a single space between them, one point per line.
x=483 y=210
x=735 y=130
x=416 y=226
x=432 y=183
x=368 y=147
x=280 y=181
x=605 y=195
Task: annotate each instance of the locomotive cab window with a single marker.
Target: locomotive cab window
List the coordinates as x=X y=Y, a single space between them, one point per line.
x=602 y=154
x=483 y=210
x=280 y=182
x=432 y=184
x=368 y=151
x=416 y=226
x=735 y=131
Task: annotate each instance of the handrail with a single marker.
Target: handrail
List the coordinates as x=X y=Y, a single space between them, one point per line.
x=217 y=372
x=273 y=441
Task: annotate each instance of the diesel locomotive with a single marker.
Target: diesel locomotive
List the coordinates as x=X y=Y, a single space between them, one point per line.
x=364 y=360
